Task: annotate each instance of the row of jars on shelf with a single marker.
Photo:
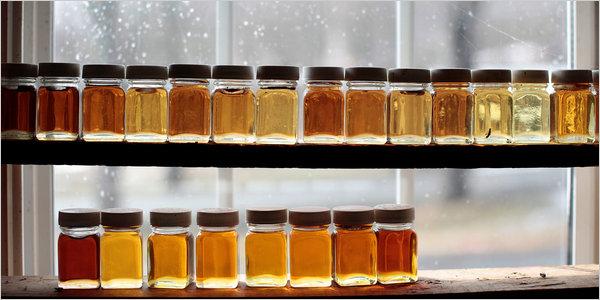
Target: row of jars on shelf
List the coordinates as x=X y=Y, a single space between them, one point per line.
x=355 y=254
x=443 y=106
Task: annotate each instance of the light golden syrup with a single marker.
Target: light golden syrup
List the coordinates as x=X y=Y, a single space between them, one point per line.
x=146 y=115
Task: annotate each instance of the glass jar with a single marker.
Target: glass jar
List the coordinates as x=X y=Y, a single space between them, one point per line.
x=146 y=104
x=189 y=104
x=311 y=259
x=452 y=106
x=58 y=102
x=103 y=101
x=18 y=101
x=531 y=107
x=234 y=105
x=409 y=107
x=170 y=247
x=78 y=249
x=323 y=105
x=266 y=247
x=277 y=104
x=217 y=248
x=396 y=244
x=121 y=248
x=365 y=113
x=493 y=106
x=355 y=246
x=572 y=110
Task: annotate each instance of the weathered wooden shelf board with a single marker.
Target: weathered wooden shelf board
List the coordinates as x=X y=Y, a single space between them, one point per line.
x=298 y=156
x=579 y=281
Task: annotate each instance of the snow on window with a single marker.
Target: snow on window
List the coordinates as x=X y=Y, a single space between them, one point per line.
x=134 y=32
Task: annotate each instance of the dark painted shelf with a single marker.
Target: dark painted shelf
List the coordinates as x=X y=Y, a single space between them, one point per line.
x=298 y=156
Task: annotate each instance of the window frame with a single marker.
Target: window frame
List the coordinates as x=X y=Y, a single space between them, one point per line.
x=584 y=212
x=36 y=182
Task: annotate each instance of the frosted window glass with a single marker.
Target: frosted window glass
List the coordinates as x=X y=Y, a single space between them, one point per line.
x=134 y=32
x=314 y=33
x=465 y=218
x=495 y=34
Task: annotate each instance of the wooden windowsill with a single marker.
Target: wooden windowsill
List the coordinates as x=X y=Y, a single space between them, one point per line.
x=579 y=281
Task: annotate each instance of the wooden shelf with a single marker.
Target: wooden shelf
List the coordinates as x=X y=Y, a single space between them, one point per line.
x=580 y=281
x=298 y=156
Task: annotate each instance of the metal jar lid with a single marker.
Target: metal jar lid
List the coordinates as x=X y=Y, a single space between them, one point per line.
x=103 y=71
x=191 y=71
x=310 y=216
x=394 y=213
x=491 y=76
x=572 y=76
x=13 y=70
x=323 y=73
x=170 y=217
x=266 y=215
x=530 y=76
x=234 y=72
x=365 y=74
x=122 y=217
x=277 y=73
x=146 y=72
x=409 y=75
x=218 y=217
x=353 y=215
x=451 y=75
x=59 y=70
x=79 y=217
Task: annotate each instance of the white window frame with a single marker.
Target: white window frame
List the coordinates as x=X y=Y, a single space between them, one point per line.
x=584 y=214
x=37 y=181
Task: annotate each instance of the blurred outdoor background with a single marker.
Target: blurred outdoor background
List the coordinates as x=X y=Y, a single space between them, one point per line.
x=465 y=218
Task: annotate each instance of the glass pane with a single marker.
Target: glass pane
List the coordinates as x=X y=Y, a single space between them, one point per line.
x=347 y=33
x=134 y=32
x=489 y=217
x=293 y=187
x=342 y=33
x=138 y=187
x=498 y=34
x=465 y=218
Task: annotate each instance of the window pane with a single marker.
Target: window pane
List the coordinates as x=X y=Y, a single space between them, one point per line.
x=490 y=217
x=499 y=34
x=314 y=33
x=134 y=32
x=293 y=187
x=332 y=187
x=138 y=187
x=342 y=33
x=465 y=218
x=468 y=212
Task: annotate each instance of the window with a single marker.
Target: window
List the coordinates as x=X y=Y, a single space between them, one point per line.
x=462 y=215
x=516 y=34
x=146 y=188
x=490 y=218
x=134 y=32
x=314 y=33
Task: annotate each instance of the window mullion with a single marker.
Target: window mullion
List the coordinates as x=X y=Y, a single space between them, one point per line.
x=404 y=33
x=223 y=53
x=224 y=32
